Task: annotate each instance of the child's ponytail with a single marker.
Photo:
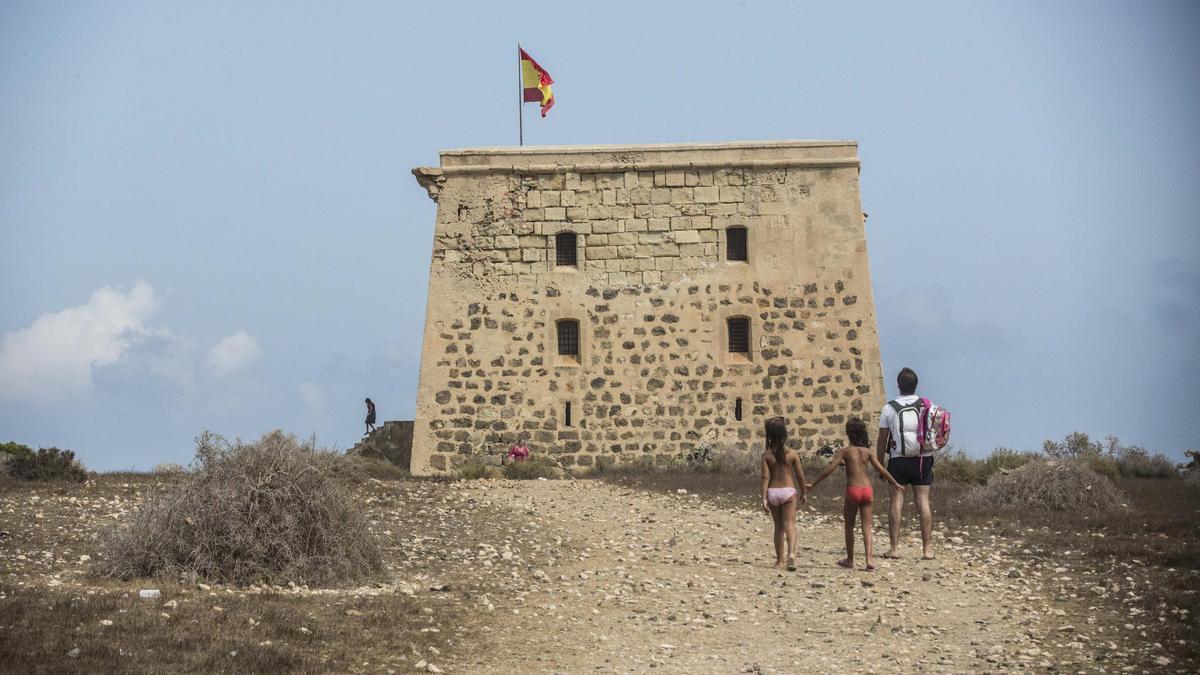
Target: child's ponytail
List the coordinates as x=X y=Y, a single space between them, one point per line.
x=777 y=437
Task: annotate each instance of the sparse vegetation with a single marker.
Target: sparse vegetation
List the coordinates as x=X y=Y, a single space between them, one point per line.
x=1193 y=465
x=359 y=467
x=13 y=449
x=1111 y=458
x=46 y=464
x=956 y=466
x=476 y=470
x=532 y=469
x=1054 y=485
x=269 y=511
x=169 y=469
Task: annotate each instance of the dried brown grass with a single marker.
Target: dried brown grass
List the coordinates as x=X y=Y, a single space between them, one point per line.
x=1053 y=485
x=259 y=633
x=270 y=511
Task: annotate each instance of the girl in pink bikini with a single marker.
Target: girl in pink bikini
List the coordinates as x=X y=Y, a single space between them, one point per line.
x=779 y=490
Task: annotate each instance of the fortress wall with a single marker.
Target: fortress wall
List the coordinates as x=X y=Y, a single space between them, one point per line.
x=652 y=291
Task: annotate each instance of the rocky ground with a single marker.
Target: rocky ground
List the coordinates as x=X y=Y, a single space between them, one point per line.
x=564 y=576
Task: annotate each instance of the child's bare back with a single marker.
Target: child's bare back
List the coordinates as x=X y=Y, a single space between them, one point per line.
x=856 y=460
x=781 y=471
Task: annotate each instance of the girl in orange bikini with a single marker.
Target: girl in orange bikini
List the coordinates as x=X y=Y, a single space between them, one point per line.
x=859 y=495
x=779 y=496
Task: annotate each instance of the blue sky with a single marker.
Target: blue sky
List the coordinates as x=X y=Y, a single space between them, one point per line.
x=207 y=219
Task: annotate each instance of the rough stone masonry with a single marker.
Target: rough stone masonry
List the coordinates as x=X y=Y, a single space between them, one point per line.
x=609 y=303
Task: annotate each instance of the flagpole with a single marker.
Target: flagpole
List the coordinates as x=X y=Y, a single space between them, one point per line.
x=520 y=100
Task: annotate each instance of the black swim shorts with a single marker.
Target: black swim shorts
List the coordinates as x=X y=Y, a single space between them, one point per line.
x=911 y=470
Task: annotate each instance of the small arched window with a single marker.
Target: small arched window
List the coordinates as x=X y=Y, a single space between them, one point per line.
x=736 y=248
x=568 y=338
x=739 y=335
x=565 y=251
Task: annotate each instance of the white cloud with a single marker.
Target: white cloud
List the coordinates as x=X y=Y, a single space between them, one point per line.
x=55 y=356
x=233 y=353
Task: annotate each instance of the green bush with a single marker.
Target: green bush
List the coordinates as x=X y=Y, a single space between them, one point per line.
x=1135 y=462
x=1102 y=464
x=1111 y=458
x=15 y=449
x=532 y=469
x=955 y=466
x=45 y=465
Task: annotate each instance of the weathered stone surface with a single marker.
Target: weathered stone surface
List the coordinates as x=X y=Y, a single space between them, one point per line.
x=651 y=292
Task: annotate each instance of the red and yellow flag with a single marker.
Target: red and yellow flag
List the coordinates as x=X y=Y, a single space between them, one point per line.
x=536 y=82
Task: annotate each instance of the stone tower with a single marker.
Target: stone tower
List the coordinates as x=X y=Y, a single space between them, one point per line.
x=608 y=303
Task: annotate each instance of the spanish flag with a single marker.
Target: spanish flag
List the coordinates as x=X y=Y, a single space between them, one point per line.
x=536 y=82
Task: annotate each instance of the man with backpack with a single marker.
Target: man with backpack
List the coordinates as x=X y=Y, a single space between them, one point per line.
x=910 y=430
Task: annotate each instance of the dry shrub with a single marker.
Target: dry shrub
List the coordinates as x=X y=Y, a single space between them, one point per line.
x=1135 y=462
x=731 y=458
x=168 y=469
x=359 y=469
x=270 y=511
x=955 y=466
x=475 y=470
x=532 y=469
x=1053 y=485
x=1112 y=458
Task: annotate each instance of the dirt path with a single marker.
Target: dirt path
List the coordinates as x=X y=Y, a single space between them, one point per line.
x=571 y=576
x=665 y=581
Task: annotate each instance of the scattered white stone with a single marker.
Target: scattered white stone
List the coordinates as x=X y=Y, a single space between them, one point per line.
x=149 y=593
x=106 y=622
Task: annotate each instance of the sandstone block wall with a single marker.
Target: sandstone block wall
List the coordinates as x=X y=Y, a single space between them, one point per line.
x=391 y=441
x=652 y=291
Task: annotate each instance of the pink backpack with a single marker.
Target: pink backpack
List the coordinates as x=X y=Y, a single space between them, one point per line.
x=932 y=422
x=934 y=429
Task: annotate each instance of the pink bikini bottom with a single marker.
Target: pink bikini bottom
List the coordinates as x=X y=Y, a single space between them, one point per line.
x=777 y=496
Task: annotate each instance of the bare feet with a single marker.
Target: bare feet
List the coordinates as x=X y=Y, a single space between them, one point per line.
x=791 y=565
x=891 y=555
x=845 y=563
x=778 y=564
x=870 y=567
x=928 y=554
